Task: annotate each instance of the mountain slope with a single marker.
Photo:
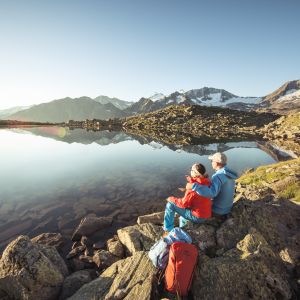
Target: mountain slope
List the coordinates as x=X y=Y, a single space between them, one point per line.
x=285 y=99
x=121 y=104
x=66 y=109
x=5 y=113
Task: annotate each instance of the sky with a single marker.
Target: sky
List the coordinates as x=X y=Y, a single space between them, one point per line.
x=134 y=48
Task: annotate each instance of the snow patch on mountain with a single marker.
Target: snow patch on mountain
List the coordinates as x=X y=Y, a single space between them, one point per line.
x=291 y=91
x=290 y=96
x=157 y=97
x=216 y=99
x=180 y=99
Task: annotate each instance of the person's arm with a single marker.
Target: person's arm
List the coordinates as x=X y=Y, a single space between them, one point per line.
x=181 y=202
x=208 y=192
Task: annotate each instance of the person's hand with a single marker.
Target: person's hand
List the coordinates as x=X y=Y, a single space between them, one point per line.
x=189 y=186
x=181 y=189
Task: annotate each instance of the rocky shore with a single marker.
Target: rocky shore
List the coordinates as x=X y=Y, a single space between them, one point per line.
x=253 y=254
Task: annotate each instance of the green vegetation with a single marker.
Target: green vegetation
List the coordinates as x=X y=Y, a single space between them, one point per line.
x=282 y=178
x=291 y=192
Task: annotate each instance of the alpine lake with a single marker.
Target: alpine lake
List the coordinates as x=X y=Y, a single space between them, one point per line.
x=52 y=177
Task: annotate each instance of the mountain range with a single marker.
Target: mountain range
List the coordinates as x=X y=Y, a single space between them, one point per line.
x=283 y=100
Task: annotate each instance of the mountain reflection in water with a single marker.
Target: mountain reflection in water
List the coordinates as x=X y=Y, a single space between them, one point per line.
x=52 y=177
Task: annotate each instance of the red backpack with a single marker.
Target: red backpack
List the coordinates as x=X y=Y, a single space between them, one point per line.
x=180 y=269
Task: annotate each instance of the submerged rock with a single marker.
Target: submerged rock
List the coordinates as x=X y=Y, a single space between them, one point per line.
x=31 y=271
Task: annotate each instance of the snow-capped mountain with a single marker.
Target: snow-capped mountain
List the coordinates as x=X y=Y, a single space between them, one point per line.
x=157 y=96
x=284 y=100
x=204 y=96
x=120 y=104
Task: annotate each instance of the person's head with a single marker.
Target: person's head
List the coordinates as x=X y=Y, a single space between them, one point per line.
x=198 y=170
x=218 y=160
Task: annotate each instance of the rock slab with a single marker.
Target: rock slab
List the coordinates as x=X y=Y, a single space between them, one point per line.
x=130 y=278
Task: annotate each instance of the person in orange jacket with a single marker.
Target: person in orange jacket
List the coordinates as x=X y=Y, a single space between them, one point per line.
x=192 y=206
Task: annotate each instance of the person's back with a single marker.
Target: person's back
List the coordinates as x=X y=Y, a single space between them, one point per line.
x=222 y=185
x=223 y=201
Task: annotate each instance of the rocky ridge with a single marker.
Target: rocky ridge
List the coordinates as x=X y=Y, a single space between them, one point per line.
x=284 y=133
x=253 y=254
x=196 y=124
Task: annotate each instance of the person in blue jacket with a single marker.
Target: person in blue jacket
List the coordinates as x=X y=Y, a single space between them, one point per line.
x=222 y=186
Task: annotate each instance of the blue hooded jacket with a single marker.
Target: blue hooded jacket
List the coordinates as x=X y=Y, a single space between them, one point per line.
x=221 y=190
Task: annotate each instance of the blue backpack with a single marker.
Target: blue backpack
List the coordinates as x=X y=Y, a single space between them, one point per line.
x=159 y=252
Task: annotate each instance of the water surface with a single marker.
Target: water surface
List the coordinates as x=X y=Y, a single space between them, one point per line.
x=55 y=176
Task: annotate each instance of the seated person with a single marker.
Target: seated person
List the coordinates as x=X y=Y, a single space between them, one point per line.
x=222 y=186
x=192 y=206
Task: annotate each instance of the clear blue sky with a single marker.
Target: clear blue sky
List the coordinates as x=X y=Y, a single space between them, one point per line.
x=133 y=48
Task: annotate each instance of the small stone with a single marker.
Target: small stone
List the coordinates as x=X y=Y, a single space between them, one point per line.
x=115 y=247
x=86 y=259
x=99 y=245
x=75 y=251
x=103 y=259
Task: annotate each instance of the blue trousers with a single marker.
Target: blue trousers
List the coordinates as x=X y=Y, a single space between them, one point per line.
x=184 y=213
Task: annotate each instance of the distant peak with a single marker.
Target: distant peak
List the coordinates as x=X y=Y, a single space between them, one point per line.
x=157 y=96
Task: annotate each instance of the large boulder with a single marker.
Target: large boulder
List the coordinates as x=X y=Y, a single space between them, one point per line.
x=276 y=220
x=251 y=270
x=90 y=225
x=74 y=282
x=50 y=239
x=130 y=278
x=139 y=237
x=31 y=271
x=204 y=236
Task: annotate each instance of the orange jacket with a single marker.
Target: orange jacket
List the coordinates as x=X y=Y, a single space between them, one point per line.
x=199 y=205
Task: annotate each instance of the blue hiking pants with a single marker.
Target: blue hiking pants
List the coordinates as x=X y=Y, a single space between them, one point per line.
x=184 y=213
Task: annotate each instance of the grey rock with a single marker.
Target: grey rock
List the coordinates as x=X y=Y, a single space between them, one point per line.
x=204 y=236
x=103 y=259
x=155 y=218
x=115 y=247
x=131 y=278
x=50 y=239
x=86 y=259
x=26 y=272
x=252 y=270
x=90 y=225
x=74 y=282
x=76 y=251
x=99 y=245
x=139 y=237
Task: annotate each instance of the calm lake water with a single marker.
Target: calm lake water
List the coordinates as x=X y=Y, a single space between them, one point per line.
x=51 y=177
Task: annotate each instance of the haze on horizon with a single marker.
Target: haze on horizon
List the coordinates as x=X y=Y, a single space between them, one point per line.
x=132 y=49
